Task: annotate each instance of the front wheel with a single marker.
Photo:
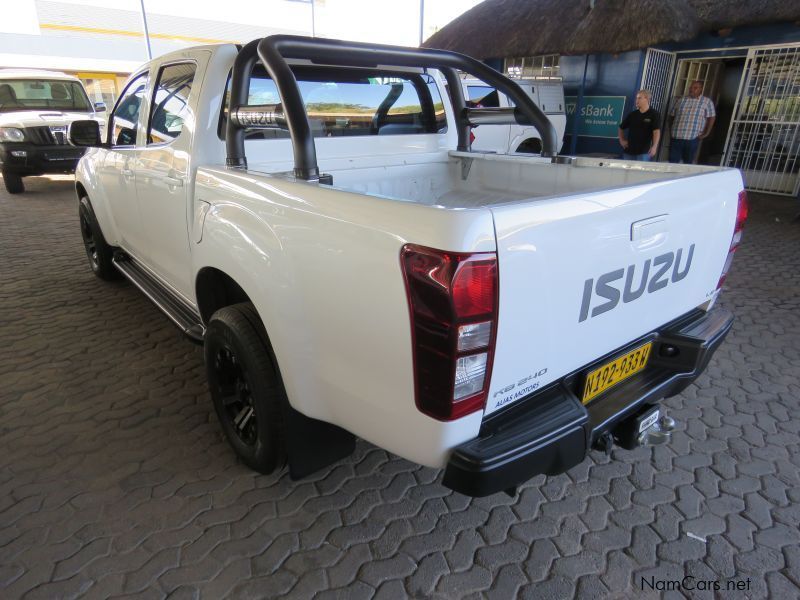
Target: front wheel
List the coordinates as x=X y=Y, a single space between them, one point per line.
x=245 y=386
x=99 y=253
x=13 y=183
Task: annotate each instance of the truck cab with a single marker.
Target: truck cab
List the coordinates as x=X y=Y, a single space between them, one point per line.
x=36 y=109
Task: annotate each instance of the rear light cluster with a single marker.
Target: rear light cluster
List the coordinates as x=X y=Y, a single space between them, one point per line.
x=452 y=299
x=741 y=217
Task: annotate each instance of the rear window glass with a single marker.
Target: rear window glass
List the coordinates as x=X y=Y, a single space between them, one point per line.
x=348 y=102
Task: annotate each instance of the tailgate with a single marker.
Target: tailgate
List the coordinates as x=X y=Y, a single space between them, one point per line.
x=583 y=275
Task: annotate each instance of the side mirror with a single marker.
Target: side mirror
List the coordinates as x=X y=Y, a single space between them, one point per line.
x=99 y=107
x=84 y=133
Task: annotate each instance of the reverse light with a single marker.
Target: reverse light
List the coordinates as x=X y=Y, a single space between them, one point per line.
x=742 y=210
x=11 y=134
x=452 y=300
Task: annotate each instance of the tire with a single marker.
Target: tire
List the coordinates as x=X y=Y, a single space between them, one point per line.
x=99 y=253
x=246 y=387
x=13 y=183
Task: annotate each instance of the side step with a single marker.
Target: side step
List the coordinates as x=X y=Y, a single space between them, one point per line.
x=179 y=312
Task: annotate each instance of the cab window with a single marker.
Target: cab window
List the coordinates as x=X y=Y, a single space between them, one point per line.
x=355 y=102
x=125 y=119
x=170 y=107
x=482 y=96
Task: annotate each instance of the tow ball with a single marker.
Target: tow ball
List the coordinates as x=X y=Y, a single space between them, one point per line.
x=648 y=428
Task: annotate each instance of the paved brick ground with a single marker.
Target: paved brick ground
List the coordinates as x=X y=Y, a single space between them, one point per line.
x=115 y=479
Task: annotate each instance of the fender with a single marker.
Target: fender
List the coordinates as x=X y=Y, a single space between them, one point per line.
x=528 y=133
x=242 y=245
x=86 y=174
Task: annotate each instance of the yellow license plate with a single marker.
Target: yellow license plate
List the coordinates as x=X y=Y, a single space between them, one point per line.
x=612 y=373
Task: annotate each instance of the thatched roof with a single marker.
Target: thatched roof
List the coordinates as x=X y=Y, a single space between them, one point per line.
x=498 y=28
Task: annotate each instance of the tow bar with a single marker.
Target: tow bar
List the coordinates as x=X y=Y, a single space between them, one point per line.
x=648 y=428
x=658 y=433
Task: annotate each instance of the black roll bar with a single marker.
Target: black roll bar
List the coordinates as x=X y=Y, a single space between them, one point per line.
x=274 y=50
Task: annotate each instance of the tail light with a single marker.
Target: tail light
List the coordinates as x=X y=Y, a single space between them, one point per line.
x=471 y=136
x=741 y=216
x=452 y=299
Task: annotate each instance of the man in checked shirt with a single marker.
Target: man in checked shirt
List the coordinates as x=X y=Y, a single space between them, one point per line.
x=692 y=119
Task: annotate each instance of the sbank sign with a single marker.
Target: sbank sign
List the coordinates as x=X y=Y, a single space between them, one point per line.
x=600 y=115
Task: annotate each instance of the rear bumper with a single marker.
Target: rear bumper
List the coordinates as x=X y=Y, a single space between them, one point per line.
x=31 y=159
x=552 y=431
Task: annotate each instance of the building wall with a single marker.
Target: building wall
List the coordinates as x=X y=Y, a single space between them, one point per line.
x=606 y=75
x=620 y=74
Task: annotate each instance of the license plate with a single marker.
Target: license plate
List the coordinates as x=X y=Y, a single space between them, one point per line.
x=616 y=371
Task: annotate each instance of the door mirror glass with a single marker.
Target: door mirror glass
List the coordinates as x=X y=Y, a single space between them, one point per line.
x=99 y=107
x=84 y=133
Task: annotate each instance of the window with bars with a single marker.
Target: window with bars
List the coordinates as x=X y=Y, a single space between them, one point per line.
x=544 y=66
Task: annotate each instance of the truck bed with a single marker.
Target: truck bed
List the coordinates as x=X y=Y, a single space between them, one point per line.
x=484 y=180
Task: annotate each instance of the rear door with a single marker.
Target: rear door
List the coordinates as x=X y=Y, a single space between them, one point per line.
x=162 y=173
x=583 y=275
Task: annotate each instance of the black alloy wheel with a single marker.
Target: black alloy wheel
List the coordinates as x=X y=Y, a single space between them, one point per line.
x=236 y=397
x=88 y=242
x=246 y=386
x=99 y=253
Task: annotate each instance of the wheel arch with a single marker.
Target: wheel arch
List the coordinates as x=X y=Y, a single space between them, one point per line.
x=216 y=289
x=532 y=145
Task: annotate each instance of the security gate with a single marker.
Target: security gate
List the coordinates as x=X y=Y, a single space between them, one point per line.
x=764 y=137
x=656 y=76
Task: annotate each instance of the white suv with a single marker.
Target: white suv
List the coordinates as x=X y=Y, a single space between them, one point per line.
x=36 y=109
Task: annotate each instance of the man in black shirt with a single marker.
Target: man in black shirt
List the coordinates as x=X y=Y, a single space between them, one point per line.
x=644 y=130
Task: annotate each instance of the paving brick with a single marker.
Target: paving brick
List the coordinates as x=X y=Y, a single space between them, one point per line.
x=145 y=496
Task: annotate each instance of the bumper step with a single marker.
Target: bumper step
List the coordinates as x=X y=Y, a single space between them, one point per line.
x=178 y=311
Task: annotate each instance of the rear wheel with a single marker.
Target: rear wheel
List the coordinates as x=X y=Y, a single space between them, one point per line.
x=245 y=386
x=99 y=253
x=13 y=183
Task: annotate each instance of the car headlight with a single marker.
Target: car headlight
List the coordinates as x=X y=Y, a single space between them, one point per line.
x=11 y=134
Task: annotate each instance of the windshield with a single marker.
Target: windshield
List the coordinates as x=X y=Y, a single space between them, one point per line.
x=36 y=94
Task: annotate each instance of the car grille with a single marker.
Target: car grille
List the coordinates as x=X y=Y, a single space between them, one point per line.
x=47 y=136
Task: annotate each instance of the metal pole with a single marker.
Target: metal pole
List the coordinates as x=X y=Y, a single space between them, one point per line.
x=421 y=19
x=313 y=21
x=573 y=145
x=146 y=32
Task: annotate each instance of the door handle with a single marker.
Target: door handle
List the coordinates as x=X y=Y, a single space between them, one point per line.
x=173 y=181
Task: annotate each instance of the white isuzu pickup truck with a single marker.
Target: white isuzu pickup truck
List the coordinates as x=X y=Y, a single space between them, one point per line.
x=311 y=212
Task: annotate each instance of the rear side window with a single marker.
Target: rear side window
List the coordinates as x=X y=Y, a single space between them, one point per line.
x=348 y=102
x=125 y=119
x=170 y=106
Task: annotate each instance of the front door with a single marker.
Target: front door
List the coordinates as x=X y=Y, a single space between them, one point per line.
x=162 y=176
x=117 y=171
